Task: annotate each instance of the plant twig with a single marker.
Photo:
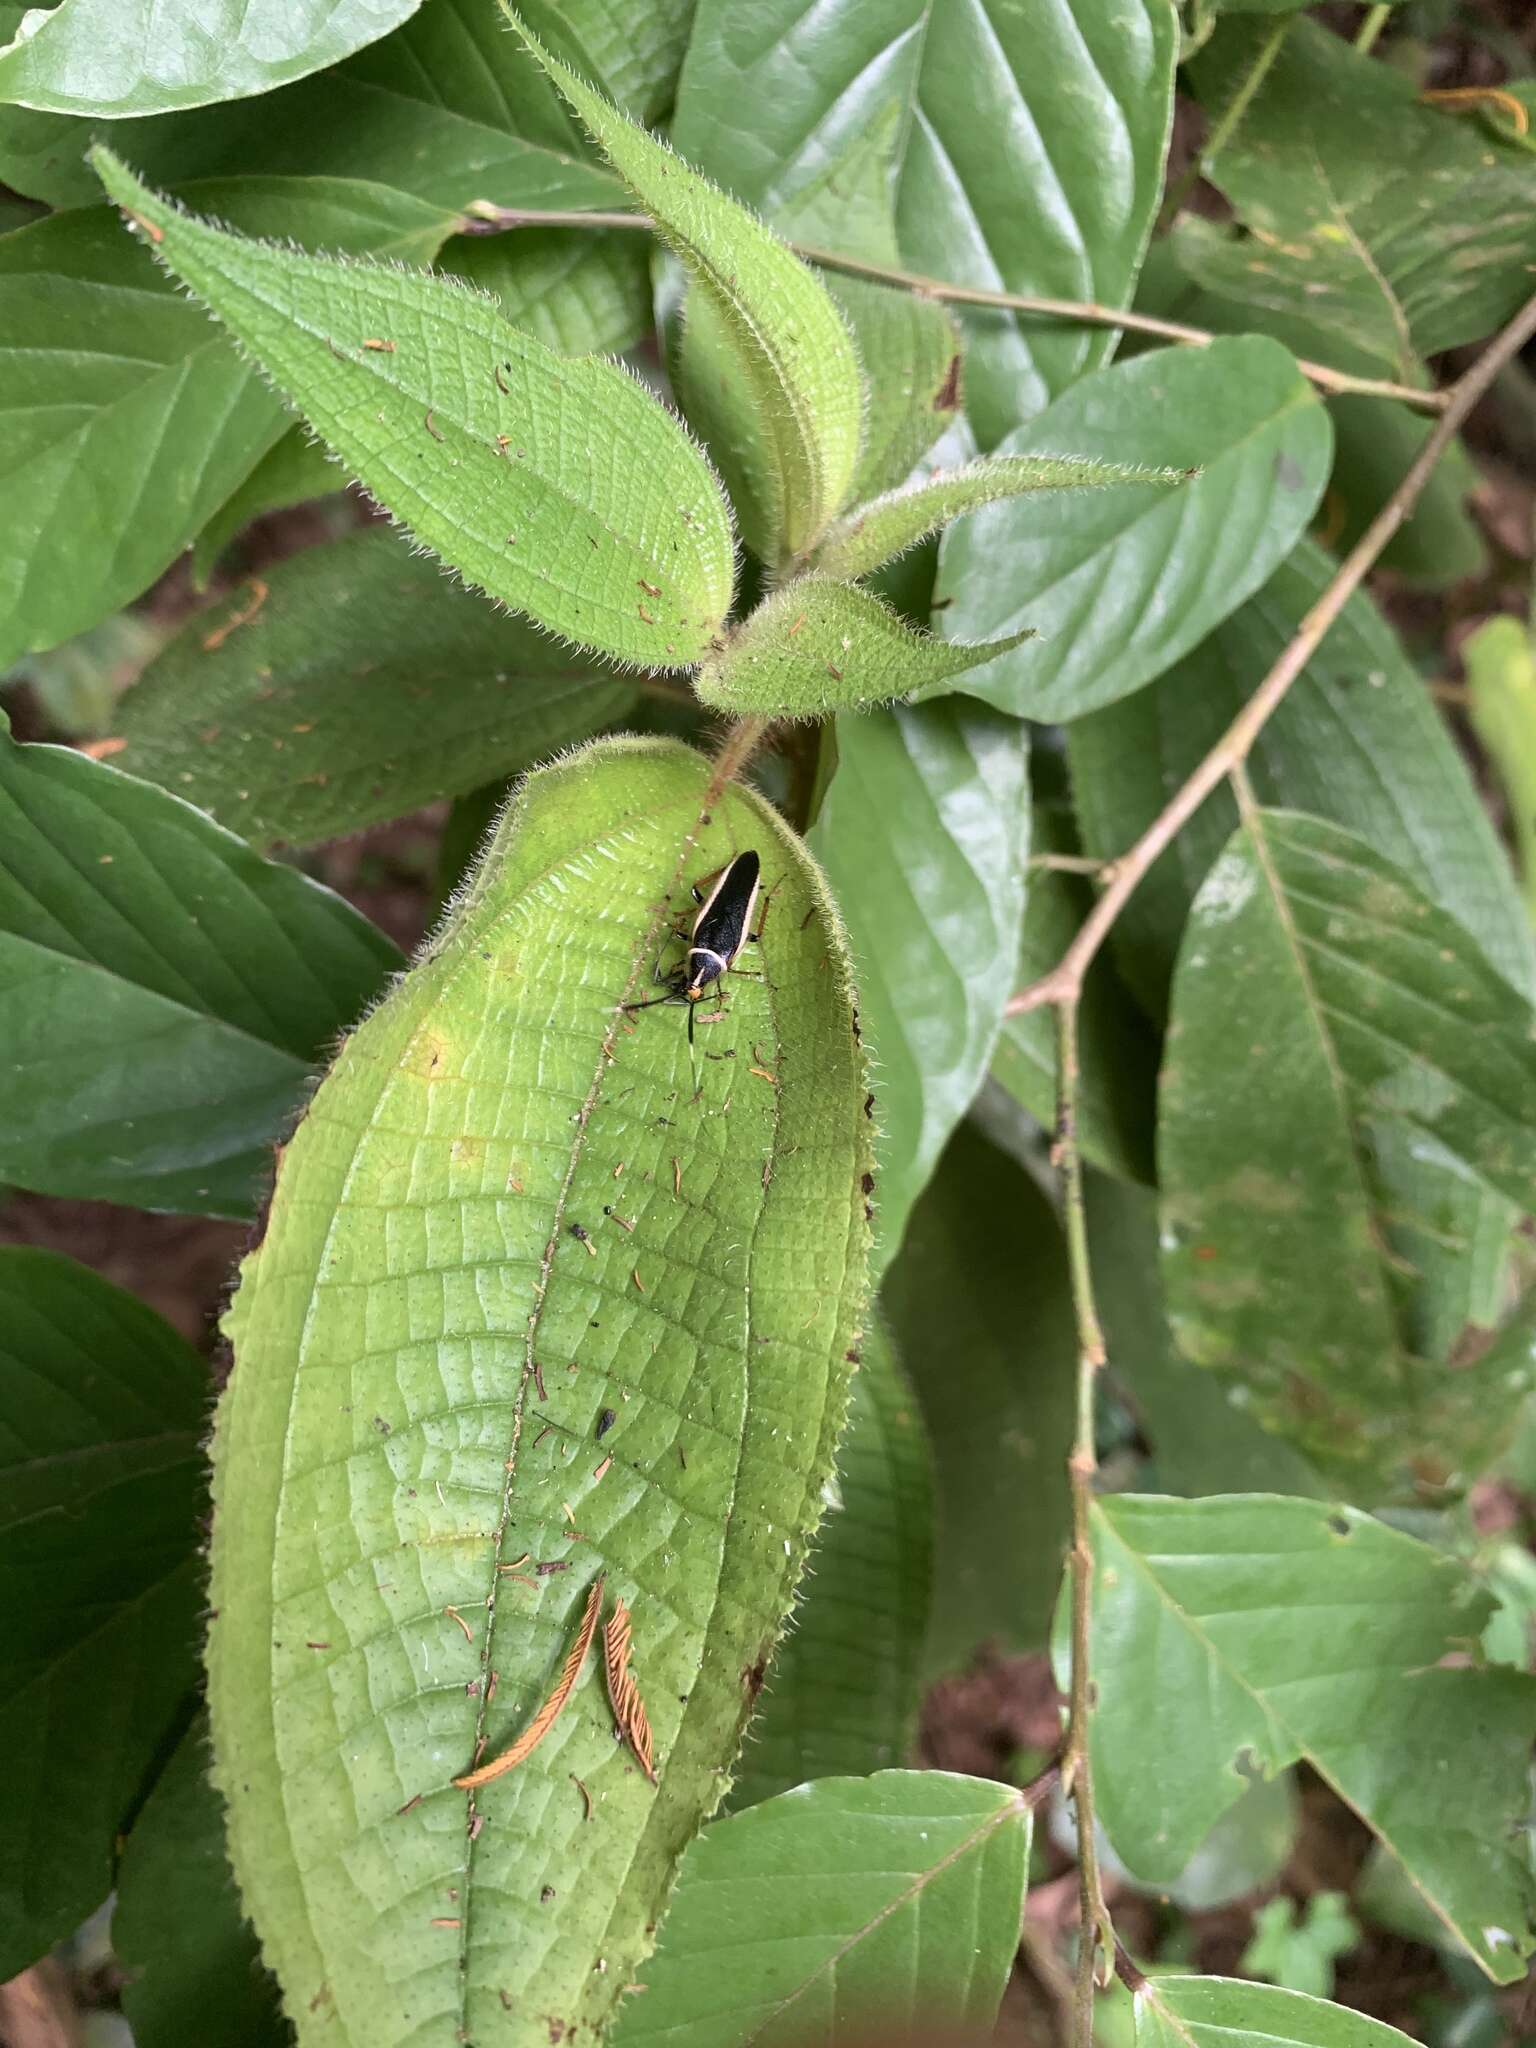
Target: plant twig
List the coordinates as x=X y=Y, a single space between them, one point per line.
x=1371 y=27
x=1064 y=983
x=485 y=219
x=741 y=742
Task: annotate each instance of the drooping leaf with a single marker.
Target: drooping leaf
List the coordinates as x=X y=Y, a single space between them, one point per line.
x=194 y=1972
x=1326 y=1012
x=165 y=990
x=295 y=470
x=1119 y=583
x=518 y=1228
x=873 y=533
x=850 y=1905
x=1399 y=268
x=817 y=646
x=909 y=348
x=349 y=684
x=924 y=832
x=559 y=486
x=580 y=291
x=129 y=419
x=981 y=1312
x=124 y=57
x=1014 y=150
x=446 y=109
x=843 y=1688
x=1214 y=2012
x=102 y=1411
x=1500 y=662
x=767 y=322
x=1286 y=1630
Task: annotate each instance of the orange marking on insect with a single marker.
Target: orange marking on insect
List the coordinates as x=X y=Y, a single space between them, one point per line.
x=549 y=1713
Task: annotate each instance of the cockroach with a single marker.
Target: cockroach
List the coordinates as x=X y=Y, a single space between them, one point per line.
x=721 y=930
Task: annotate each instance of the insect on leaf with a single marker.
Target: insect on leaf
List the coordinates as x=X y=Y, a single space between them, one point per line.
x=557 y=485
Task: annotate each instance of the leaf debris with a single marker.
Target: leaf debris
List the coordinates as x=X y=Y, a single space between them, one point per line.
x=549 y=1713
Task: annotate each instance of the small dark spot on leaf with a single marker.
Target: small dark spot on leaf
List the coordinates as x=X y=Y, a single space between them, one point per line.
x=1339 y=1524
x=947 y=397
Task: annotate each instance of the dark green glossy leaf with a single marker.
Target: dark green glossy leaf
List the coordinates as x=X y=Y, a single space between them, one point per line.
x=909 y=348
x=353 y=683
x=1118 y=583
x=843 y=1688
x=979 y=1305
x=102 y=1414
x=924 y=832
x=849 y=1905
x=1280 y=1630
x=580 y=291
x=631 y=48
x=295 y=471
x=166 y=991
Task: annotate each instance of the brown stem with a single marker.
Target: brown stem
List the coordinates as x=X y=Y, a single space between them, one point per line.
x=484 y=219
x=1064 y=983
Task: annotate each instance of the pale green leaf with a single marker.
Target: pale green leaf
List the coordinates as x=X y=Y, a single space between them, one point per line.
x=102 y=1415
x=843 y=1688
x=1118 y=583
x=128 y=419
x=1299 y=1951
x=500 y=1338
x=1016 y=149
x=1285 y=1630
x=1500 y=662
x=560 y=487
x=194 y=1973
x=122 y=57
x=817 y=646
x=1325 y=1013
x=910 y=351
x=294 y=471
x=924 y=832
x=1220 y=2012
x=771 y=317
x=852 y=1906
x=350 y=684
x=981 y=1313
x=874 y=533
x=164 y=992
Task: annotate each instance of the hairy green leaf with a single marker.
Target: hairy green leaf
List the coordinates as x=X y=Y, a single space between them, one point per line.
x=924 y=832
x=1215 y=2012
x=353 y=683
x=980 y=1310
x=770 y=324
x=543 y=1296
x=101 y=1422
x=874 y=533
x=177 y=1928
x=1015 y=149
x=817 y=646
x=1121 y=582
x=910 y=351
x=128 y=418
x=1325 y=1013
x=844 y=1685
x=559 y=486
x=446 y=108
x=850 y=1905
x=123 y=57
x=1281 y=1630
x=165 y=990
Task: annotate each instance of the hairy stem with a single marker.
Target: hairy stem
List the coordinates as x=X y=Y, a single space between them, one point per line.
x=1064 y=983
x=741 y=742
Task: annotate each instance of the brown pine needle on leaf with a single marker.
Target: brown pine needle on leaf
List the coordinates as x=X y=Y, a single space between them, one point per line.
x=623 y=1693
x=549 y=1713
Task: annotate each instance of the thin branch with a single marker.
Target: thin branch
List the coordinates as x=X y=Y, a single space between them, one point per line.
x=1064 y=983
x=484 y=219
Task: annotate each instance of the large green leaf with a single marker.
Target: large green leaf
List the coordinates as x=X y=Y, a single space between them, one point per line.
x=924 y=832
x=165 y=990
x=1327 y=1015
x=128 y=418
x=843 y=1688
x=296 y=470
x=101 y=1422
x=353 y=683
x=1119 y=583
x=1252 y=1627
x=767 y=325
x=847 y=1908
x=562 y=487
x=981 y=1312
x=542 y=1296
x=909 y=348
x=123 y=57
x=581 y=291
x=1399 y=268
x=1217 y=2012
x=177 y=1928
x=446 y=108
x=633 y=49
x=1019 y=150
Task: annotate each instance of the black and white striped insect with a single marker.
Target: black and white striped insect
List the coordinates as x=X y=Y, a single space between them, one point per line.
x=721 y=929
